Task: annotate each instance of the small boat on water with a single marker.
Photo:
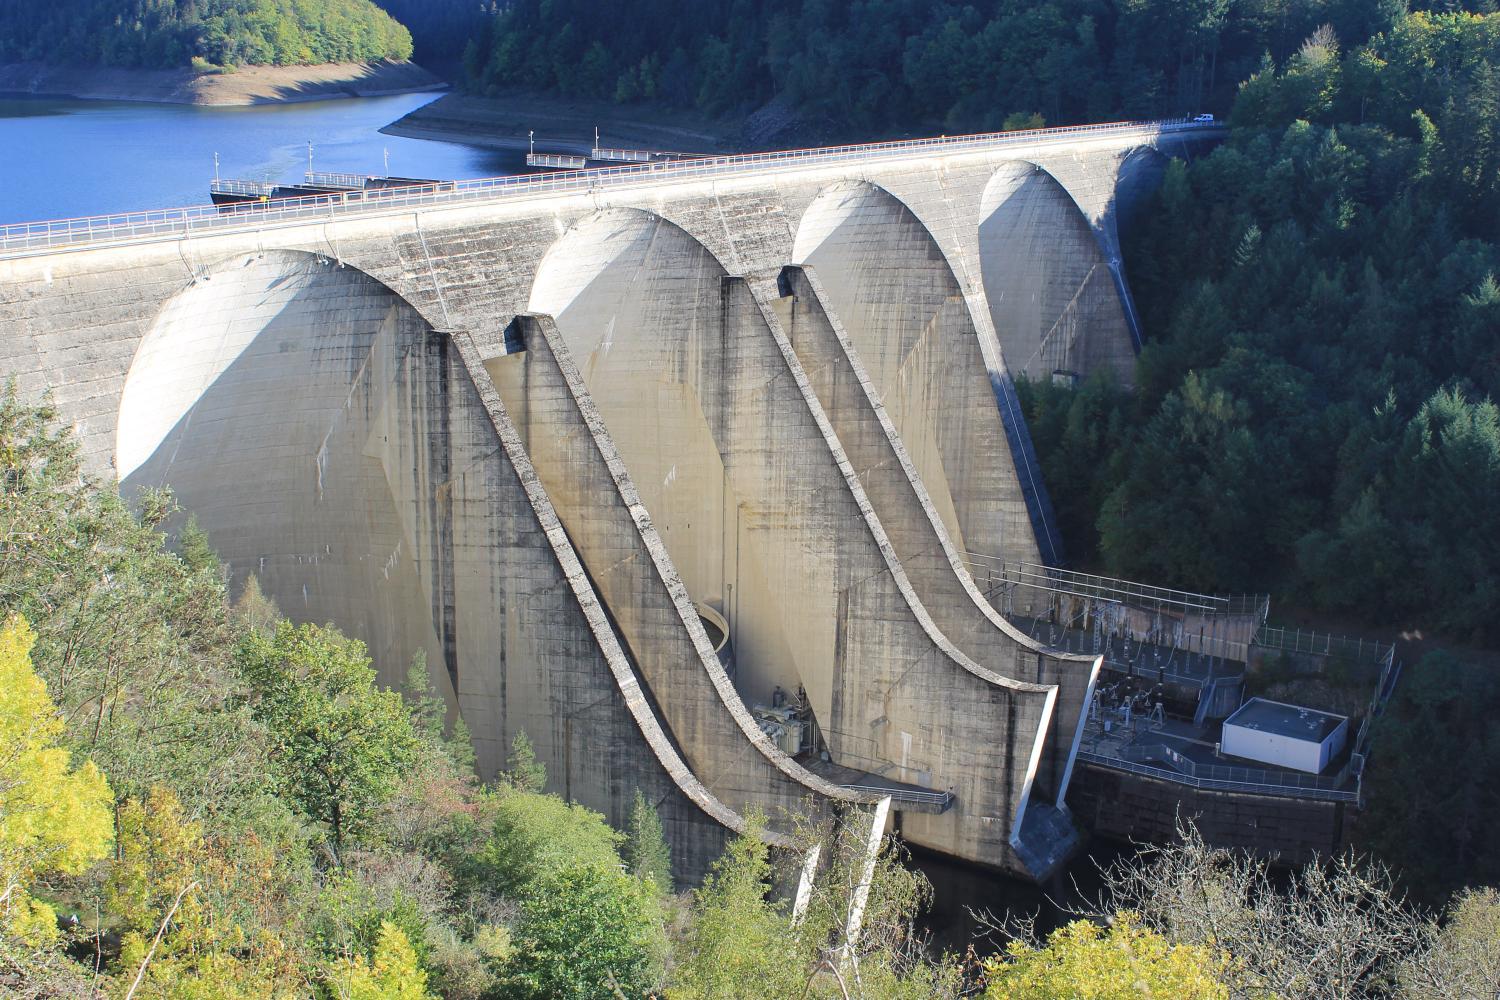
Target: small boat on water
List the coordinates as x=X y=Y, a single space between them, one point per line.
x=233 y=194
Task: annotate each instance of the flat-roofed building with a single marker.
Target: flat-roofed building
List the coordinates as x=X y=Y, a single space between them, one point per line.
x=1272 y=732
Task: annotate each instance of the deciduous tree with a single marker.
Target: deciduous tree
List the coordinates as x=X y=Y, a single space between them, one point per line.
x=339 y=743
x=54 y=817
x=1124 y=961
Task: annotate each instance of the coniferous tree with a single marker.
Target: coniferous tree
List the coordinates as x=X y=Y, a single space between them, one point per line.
x=647 y=855
x=460 y=744
x=525 y=771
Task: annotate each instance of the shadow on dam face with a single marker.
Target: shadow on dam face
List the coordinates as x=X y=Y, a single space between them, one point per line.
x=637 y=302
x=904 y=311
x=296 y=407
x=1049 y=286
x=642 y=307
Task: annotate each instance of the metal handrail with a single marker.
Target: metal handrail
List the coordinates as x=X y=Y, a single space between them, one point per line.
x=621 y=155
x=1321 y=643
x=231 y=186
x=1295 y=791
x=905 y=794
x=563 y=161
x=1226 y=772
x=19 y=239
x=320 y=178
x=1115 y=589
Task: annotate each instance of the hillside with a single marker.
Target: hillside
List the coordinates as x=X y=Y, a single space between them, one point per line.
x=173 y=34
x=875 y=67
x=441 y=28
x=247 y=85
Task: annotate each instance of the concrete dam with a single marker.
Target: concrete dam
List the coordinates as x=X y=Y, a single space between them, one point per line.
x=629 y=452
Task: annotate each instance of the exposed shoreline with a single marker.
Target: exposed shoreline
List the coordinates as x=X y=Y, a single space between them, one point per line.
x=248 y=85
x=567 y=126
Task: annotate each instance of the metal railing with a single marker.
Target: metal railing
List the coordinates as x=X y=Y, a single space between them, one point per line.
x=1321 y=644
x=252 y=189
x=556 y=161
x=1194 y=662
x=942 y=800
x=621 y=155
x=1226 y=772
x=19 y=239
x=1107 y=588
x=1235 y=779
x=1258 y=605
x=318 y=178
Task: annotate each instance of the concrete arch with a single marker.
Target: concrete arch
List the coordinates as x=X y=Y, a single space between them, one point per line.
x=265 y=395
x=1137 y=177
x=919 y=538
x=1138 y=174
x=636 y=299
x=904 y=310
x=1050 y=285
x=631 y=350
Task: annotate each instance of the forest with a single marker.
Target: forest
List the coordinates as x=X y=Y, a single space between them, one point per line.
x=206 y=34
x=1313 y=414
x=867 y=69
x=1314 y=410
x=441 y=29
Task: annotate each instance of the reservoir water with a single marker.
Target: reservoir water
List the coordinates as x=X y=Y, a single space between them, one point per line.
x=62 y=158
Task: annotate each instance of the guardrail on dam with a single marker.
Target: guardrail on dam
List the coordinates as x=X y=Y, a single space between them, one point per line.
x=530 y=425
x=22 y=237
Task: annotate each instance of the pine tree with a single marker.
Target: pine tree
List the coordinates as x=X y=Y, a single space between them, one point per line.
x=647 y=855
x=526 y=772
x=194 y=549
x=422 y=703
x=461 y=748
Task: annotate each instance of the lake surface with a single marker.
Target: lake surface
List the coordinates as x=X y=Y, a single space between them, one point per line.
x=62 y=158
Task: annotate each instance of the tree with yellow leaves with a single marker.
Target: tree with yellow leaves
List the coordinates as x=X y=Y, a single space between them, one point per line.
x=393 y=973
x=1126 y=961
x=54 y=818
x=179 y=900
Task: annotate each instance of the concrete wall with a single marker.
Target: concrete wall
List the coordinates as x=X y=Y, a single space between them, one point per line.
x=903 y=309
x=700 y=393
x=1136 y=808
x=918 y=535
x=296 y=369
x=1049 y=286
x=74 y=317
x=906 y=702
x=649 y=607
